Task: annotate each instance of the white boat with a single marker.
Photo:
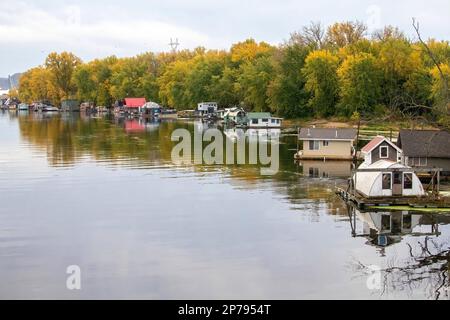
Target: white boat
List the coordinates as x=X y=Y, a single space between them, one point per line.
x=46 y=108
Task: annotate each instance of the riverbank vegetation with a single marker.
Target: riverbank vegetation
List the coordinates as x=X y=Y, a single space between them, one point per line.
x=339 y=71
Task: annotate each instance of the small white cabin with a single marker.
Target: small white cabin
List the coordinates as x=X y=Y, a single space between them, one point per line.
x=386 y=179
x=382 y=175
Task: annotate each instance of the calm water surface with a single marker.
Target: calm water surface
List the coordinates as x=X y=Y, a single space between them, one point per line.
x=103 y=194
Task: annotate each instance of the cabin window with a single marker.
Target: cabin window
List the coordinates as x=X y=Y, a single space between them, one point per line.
x=274 y=120
x=254 y=121
x=407 y=221
x=384 y=152
x=422 y=162
x=325 y=143
x=265 y=120
x=407 y=180
x=385 y=222
x=314 y=145
x=418 y=162
x=387 y=179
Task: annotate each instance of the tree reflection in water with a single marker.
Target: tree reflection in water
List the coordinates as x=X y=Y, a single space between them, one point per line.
x=427 y=264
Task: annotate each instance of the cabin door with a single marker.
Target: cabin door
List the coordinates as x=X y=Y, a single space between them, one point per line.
x=397 y=185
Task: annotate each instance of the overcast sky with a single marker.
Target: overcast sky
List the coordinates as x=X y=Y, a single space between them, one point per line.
x=29 y=30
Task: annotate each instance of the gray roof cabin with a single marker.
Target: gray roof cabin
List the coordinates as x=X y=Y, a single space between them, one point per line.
x=425 y=148
x=327 y=143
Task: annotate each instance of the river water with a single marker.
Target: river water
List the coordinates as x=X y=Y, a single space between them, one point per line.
x=103 y=194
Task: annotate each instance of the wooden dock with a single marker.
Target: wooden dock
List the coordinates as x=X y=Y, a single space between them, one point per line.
x=362 y=202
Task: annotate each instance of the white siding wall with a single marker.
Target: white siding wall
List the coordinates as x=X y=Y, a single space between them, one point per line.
x=371 y=184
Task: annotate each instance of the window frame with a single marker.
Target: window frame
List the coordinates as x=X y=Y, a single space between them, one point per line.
x=387 y=152
x=314 y=143
x=390 y=180
x=325 y=143
x=404 y=180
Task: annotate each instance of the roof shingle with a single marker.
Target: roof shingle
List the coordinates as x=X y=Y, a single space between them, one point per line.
x=134 y=102
x=327 y=134
x=424 y=143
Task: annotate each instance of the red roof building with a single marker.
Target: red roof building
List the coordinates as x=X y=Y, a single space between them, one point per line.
x=134 y=102
x=372 y=144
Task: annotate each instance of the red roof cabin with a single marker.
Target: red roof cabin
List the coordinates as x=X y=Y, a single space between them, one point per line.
x=134 y=103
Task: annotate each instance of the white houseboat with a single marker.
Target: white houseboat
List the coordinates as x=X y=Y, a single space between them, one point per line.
x=207 y=108
x=262 y=120
x=382 y=175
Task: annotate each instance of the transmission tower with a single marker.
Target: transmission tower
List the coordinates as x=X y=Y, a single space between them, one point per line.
x=174 y=44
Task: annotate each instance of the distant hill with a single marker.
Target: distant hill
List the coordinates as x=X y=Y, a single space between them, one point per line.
x=5 y=83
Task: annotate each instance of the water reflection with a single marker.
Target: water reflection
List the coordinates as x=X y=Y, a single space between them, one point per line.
x=426 y=265
x=103 y=192
x=326 y=169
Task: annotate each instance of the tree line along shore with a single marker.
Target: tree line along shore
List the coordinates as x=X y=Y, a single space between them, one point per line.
x=340 y=71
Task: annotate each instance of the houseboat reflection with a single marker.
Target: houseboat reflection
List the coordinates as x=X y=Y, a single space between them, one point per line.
x=326 y=169
x=383 y=229
x=236 y=134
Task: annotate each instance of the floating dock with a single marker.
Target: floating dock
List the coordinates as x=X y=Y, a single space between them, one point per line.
x=394 y=203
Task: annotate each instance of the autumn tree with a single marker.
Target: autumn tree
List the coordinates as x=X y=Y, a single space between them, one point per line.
x=320 y=71
x=344 y=33
x=388 y=33
x=62 y=67
x=286 y=91
x=207 y=67
x=312 y=36
x=253 y=82
x=247 y=51
x=36 y=85
x=224 y=87
x=360 y=84
x=172 y=84
x=440 y=88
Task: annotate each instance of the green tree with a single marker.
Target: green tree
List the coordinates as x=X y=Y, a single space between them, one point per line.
x=172 y=84
x=223 y=87
x=253 y=82
x=200 y=81
x=287 y=90
x=360 y=84
x=440 y=92
x=320 y=71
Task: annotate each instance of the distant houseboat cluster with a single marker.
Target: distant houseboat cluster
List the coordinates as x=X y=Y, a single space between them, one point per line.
x=141 y=108
x=234 y=116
